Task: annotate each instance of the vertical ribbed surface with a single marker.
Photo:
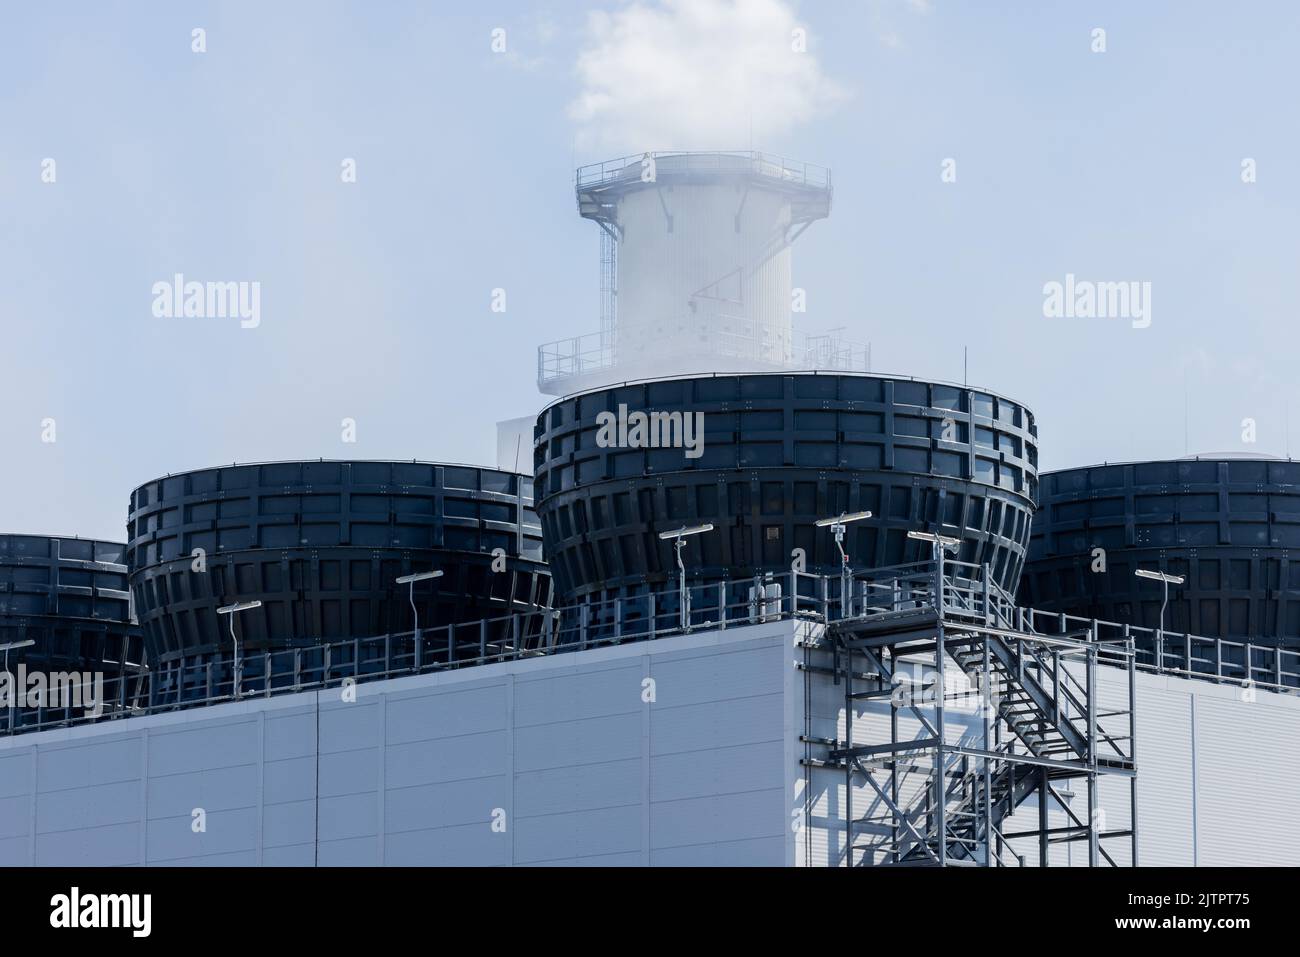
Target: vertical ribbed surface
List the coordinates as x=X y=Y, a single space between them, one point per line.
x=1230 y=526
x=780 y=452
x=320 y=543
x=69 y=596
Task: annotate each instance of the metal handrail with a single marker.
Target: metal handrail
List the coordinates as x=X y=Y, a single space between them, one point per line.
x=745 y=161
x=596 y=351
x=789 y=595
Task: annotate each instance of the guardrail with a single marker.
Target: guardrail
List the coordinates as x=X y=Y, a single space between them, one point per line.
x=595 y=352
x=220 y=678
x=768 y=165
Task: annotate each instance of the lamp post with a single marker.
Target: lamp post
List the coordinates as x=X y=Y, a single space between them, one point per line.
x=683 y=593
x=14 y=644
x=1166 y=580
x=938 y=545
x=411 y=580
x=13 y=685
x=838 y=526
x=232 y=610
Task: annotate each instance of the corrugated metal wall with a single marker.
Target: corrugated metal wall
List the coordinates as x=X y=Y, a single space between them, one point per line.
x=1218 y=781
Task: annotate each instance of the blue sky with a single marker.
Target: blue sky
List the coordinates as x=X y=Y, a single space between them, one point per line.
x=1123 y=165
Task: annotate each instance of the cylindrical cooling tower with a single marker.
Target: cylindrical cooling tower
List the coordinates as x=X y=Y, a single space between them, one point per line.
x=320 y=543
x=68 y=596
x=772 y=455
x=1230 y=525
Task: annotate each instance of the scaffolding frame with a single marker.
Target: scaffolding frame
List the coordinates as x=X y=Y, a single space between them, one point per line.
x=1036 y=700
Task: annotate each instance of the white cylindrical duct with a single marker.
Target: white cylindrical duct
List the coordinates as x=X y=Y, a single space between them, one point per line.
x=702 y=280
x=703 y=257
x=704 y=271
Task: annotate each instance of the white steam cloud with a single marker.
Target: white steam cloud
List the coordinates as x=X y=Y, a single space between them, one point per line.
x=696 y=74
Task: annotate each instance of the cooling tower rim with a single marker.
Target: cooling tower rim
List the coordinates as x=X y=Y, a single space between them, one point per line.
x=969 y=387
x=71 y=538
x=7 y=560
x=1215 y=457
x=229 y=465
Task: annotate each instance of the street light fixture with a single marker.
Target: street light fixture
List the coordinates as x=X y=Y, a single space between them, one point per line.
x=13 y=697
x=232 y=610
x=1160 y=576
x=683 y=593
x=411 y=580
x=938 y=545
x=944 y=541
x=1166 y=580
x=14 y=644
x=838 y=526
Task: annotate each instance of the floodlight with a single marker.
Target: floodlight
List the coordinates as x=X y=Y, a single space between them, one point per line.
x=836 y=525
x=687 y=530
x=14 y=644
x=842 y=519
x=1166 y=580
x=415 y=612
x=418 y=577
x=684 y=593
x=944 y=540
x=231 y=610
x=238 y=606
x=1160 y=576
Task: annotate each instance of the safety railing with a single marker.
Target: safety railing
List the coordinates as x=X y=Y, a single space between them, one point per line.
x=661 y=613
x=575 y=357
x=596 y=352
x=766 y=165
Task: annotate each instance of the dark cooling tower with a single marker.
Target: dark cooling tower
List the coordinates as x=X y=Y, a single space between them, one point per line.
x=68 y=596
x=1230 y=525
x=778 y=453
x=320 y=544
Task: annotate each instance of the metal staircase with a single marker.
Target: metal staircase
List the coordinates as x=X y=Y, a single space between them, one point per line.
x=942 y=791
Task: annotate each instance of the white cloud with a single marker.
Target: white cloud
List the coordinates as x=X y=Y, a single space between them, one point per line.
x=696 y=74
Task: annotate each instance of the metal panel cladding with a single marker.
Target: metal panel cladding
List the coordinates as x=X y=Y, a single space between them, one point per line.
x=1230 y=525
x=779 y=452
x=69 y=596
x=320 y=543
